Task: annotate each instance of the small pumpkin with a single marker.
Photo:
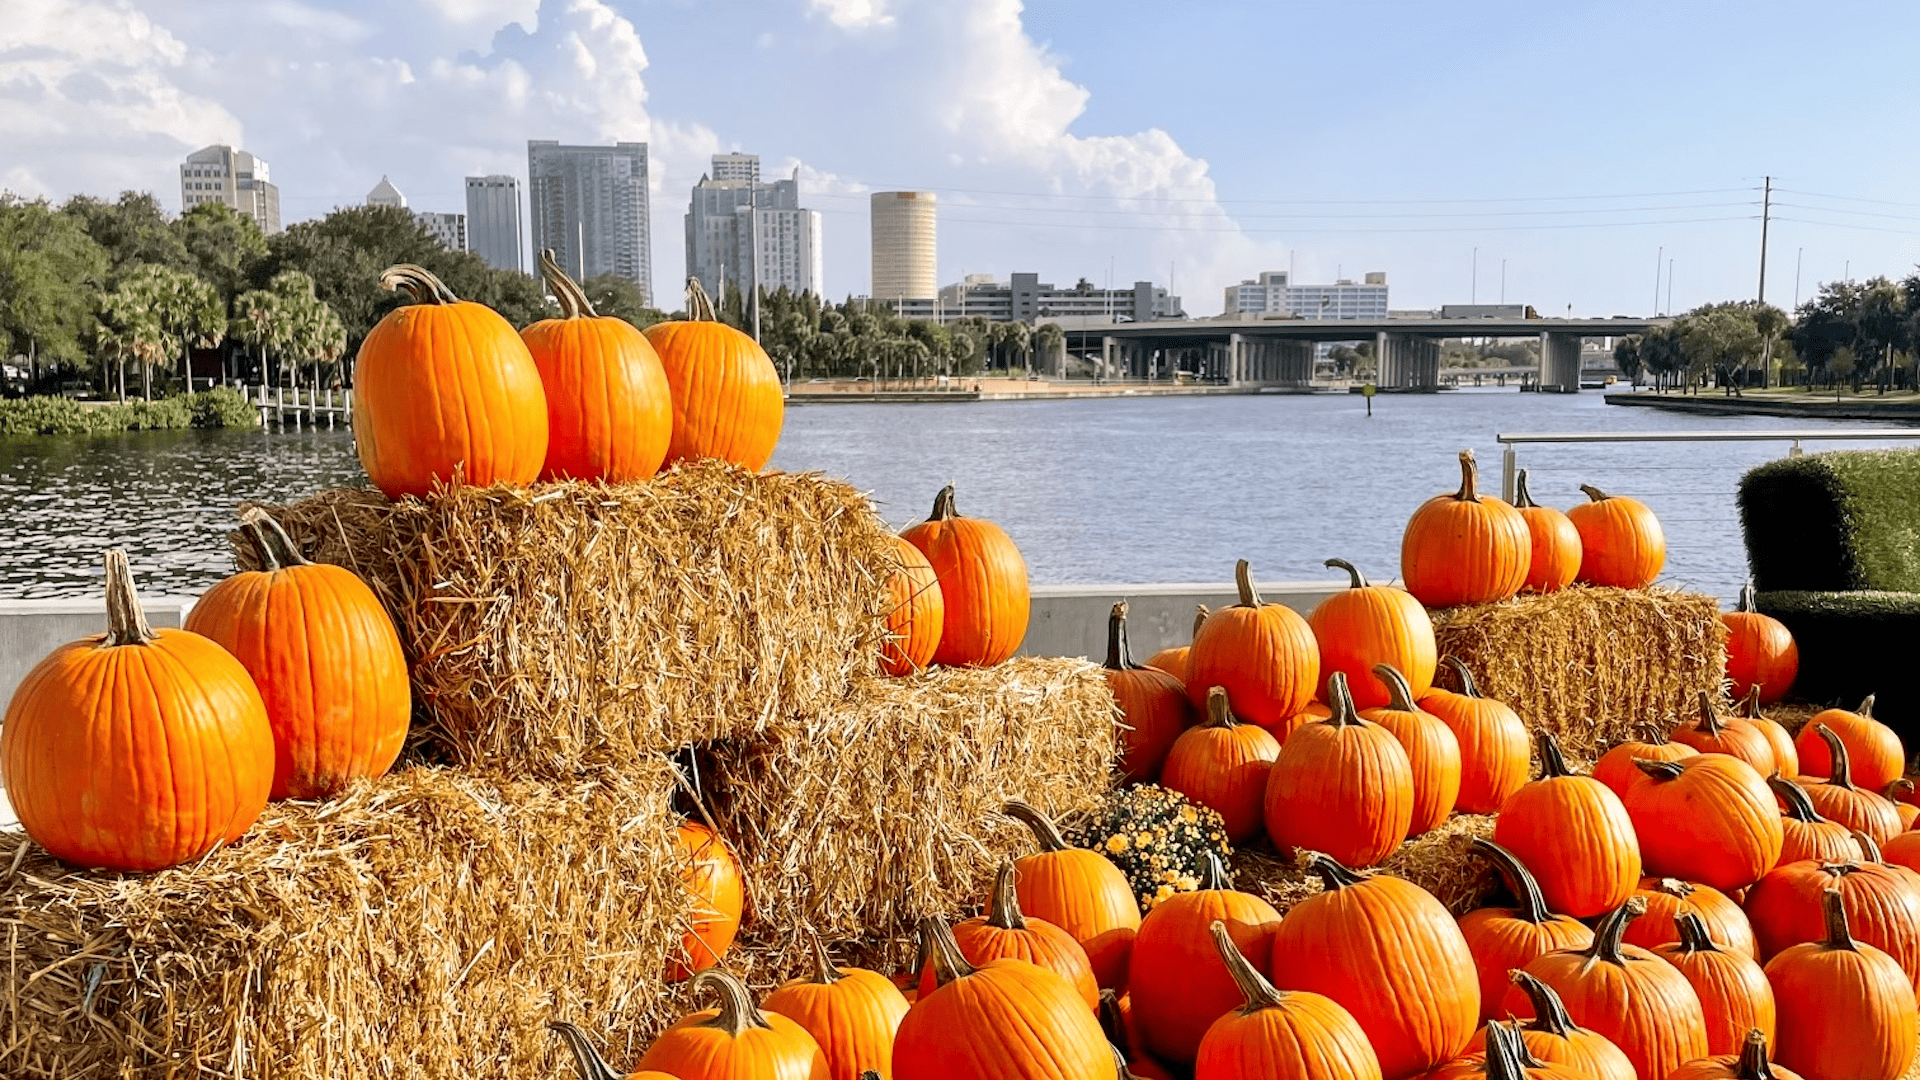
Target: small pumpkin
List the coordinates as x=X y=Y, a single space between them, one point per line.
x=1006 y=933
x=1343 y=786
x=1574 y=834
x=1616 y=767
x=1840 y=797
x=1713 y=733
x=1503 y=939
x=1668 y=898
x=735 y=1040
x=1278 y=1033
x=1177 y=980
x=983 y=585
x=1265 y=655
x=1081 y=892
x=1785 y=755
x=1553 y=1038
x=727 y=400
x=852 y=1013
x=712 y=877
x=1805 y=834
x=1709 y=817
x=916 y=612
x=1366 y=625
x=1495 y=751
x=1556 y=543
x=1433 y=752
x=1761 y=654
x=1173 y=658
x=1223 y=764
x=1465 y=548
x=1621 y=543
x=1153 y=705
x=1873 y=750
x=587 y=1061
x=1751 y=1064
x=1734 y=995
x=1846 y=1009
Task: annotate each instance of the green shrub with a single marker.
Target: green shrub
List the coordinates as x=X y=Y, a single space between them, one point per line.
x=223 y=407
x=218 y=408
x=1836 y=521
x=1853 y=644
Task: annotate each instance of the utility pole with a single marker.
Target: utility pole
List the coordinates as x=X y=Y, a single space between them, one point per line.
x=1503 y=281
x=1766 y=211
x=1798 y=252
x=1659 y=257
x=1473 y=291
x=1669 y=285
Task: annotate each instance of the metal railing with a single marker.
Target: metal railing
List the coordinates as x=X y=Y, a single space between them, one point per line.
x=1509 y=467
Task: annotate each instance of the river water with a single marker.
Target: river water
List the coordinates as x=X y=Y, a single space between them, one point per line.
x=1113 y=490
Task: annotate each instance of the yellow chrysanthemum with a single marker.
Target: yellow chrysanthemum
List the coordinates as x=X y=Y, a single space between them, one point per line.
x=1117 y=843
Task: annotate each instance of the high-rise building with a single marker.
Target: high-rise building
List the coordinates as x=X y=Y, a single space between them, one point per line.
x=740 y=231
x=1272 y=294
x=448 y=230
x=385 y=194
x=225 y=175
x=904 y=246
x=589 y=204
x=493 y=221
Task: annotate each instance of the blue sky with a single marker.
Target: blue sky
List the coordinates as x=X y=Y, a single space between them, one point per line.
x=1201 y=142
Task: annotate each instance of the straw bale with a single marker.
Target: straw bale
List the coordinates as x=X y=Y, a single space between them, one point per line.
x=425 y=926
x=560 y=627
x=1592 y=665
x=1437 y=861
x=859 y=822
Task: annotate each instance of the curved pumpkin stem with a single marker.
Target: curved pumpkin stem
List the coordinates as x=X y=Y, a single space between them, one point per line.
x=1213 y=873
x=1594 y=494
x=586 y=1060
x=1709 y=716
x=1799 y=807
x=1753 y=1064
x=1200 y=614
x=1897 y=789
x=948 y=962
x=943 y=506
x=1549 y=1012
x=1834 y=909
x=573 y=299
x=418 y=283
x=277 y=550
x=1552 y=762
x=699 y=304
x=1359 y=580
x=1521 y=497
x=1004 y=906
x=126 y=622
x=1694 y=937
x=1254 y=986
x=824 y=972
x=1218 y=714
x=738 y=1014
x=1467 y=686
x=1868 y=847
x=1865 y=711
x=1504 y=1053
x=1745 y=602
x=1469 y=478
x=1044 y=831
x=1612 y=931
x=1243 y=577
x=1531 y=904
x=1659 y=771
x=1750 y=705
x=1119 y=654
x=1334 y=875
x=1840 y=774
x=1341 y=705
x=1399 y=694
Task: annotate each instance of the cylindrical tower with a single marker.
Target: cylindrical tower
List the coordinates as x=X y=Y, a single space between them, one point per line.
x=903 y=246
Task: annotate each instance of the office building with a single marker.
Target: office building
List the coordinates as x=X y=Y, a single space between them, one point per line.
x=741 y=231
x=385 y=194
x=589 y=204
x=235 y=177
x=1025 y=298
x=493 y=221
x=904 y=246
x=447 y=230
x=1271 y=294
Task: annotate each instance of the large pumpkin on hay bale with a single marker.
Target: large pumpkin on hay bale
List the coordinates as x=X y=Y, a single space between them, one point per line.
x=1280 y=1033
x=1761 y=654
x=1265 y=655
x=1621 y=543
x=1342 y=786
x=1846 y=1010
x=1153 y=704
x=917 y=613
x=983 y=585
x=442 y=388
x=712 y=877
x=1574 y=834
x=727 y=401
x=1368 y=625
x=1495 y=752
x=1223 y=764
x=1465 y=548
x=136 y=749
x=1555 y=557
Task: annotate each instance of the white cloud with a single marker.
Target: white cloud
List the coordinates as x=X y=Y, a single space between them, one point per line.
x=856 y=14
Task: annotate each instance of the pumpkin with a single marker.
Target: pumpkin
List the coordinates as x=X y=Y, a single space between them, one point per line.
x=1223 y=764
x=1004 y=1018
x=1751 y=1064
x=1840 y=797
x=136 y=749
x=1805 y=834
x=1761 y=655
x=1391 y=954
x=1734 y=736
x=1556 y=543
x=1903 y=850
x=587 y=1060
x=1495 y=753
x=1153 y=704
x=1173 y=659
x=712 y=877
x=1264 y=654
x=1432 y=752
x=1343 y=786
x=983 y=585
x=1005 y=932
x=1079 y=891
x=1502 y=939
x=1465 y=548
x=1178 y=983
x=1116 y=1021
x=1872 y=747
x=1668 y=898
x=1882 y=904
x=1504 y=1056
x=323 y=654
x=1870 y=852
x=1312 y=714
x=1733 y=991
x=1846 y=1008
x=736 y=1040
x=1621 y=544
x=609 y=409
x=916 y=612
x=727 y=401
x=445 y=389
x=1552 y=1037
x=1709 y=817
x=1901 y=794
x=1277 y=1033
x=1786 y=756
x=851 y=1013
x=1574 y=834
x=1368 y=625
x=1629 y=996
x=1616 y=767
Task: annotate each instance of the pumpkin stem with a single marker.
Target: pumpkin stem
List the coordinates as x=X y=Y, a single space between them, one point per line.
x=1694 y=937
x=277 y=550
x=1549 y=1012
x=943 y=506
x=418 y=283
x=1399 y=694
x=738 y=1014
x=1259 y=993
x=1750 y=705
x=699 y=304
x=1213 y=873
x=1839 y=935
x=1840 y=773
x=1608 y=936
x=1753 y=1063
x=586 y=1060
x=1467 y=686
x=1659 y=771
x=1745 y=602
x=948 y=962
x=1359 y=579
x=1674 y=887
x=824 y=972
x=1004 y=906
x=1552 y=762
x=1868 y=847
x=1119 y=654
x=1333 y=875
x=1865 y=711
x=1799 y=807
x=1243 y=577
x=1594 y=493
x=1200 y=614
x=573 y=299
x=1532 y=905
x=1521 y=498
x=1340 y=703
x=1045 y=832
x=1218 y=714
x=1897 y=789
x=1709 y=719
x=1503 y=1060
x=1469 y=478
x=126 y=623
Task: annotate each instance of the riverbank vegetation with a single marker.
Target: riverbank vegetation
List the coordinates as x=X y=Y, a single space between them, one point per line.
x=45 y=414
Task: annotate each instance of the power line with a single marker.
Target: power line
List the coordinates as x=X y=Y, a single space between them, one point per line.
x=1361 y=217
x=1849 y=198
x=1855 y=213
x=1346 y=231
x=1845 y=225
x=1313 y=201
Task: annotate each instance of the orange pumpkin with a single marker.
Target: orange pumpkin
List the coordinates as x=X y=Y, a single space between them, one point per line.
x=1873 y=750
x=712 y=877
x=1495 y=753
x=326 y=660
x=136 y=749
x=1786 y=756
x=1178 y=982
x=916 y=613
x=443 y=388
x=1368 y=625
x=1280 y=1033
x=1006 y=933
x=1116 y=1020
x=1805 y=834
x=1751 y=1064
x=1552 y=1037
x=727 y=401
x=1708 y=817
x=1621 y=544
x=852 y=1013
x=587 y=1061
x=1173 y=658
x=1616 y=767
x=1504 y=1057
x=609 y=409
x=1502 y=939
x=1556 y=543
x=1465 y=548
x=1733 y=991
x=1839 y=798
x=1734 y=736
x=1153 y=705
x=1343 y=786
x=1669 y=898
x=1846 y=1008
x=1081 y=892
x=1761 y=654
x=734 y=1041
x=1223 y=764
x=1574 y=834
x=1432 y=751
x=1882 y=905
x=1312 y=714
x=983 y=585
x=1264 y=654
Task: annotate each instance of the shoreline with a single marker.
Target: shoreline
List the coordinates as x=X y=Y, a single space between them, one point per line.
x=1904 y=409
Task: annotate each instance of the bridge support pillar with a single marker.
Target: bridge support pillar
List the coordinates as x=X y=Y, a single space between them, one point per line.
x=1406 y=361
x=1236 y=359
x=1293 y=363
x=1559 y=363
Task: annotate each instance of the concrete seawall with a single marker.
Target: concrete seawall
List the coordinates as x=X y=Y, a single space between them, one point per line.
x=1813 y=408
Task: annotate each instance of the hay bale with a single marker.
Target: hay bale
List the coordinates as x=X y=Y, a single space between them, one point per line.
x=558 y=627
x=1594 y=666
x=859 y=822
x=1437 y=861
x=424 y=925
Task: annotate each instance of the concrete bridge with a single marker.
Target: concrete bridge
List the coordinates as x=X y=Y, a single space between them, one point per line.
x=1279 y=352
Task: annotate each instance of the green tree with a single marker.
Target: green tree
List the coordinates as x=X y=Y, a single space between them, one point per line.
x=613 y=295
x=173 y=304
x=134 y=230
x=1627 y=357
x=1051 y=342
x=223 y=246
x=51 y=271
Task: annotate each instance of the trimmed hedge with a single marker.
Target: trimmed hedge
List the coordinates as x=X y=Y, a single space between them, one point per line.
x=1835 y=521
x=217 y=408
x=1853 y=644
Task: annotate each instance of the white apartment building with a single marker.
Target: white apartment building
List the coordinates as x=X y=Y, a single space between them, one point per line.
x=447 y=230
x=493 y=221
x=1028 y=299
x=222 y=174
x=1272 y=294
x=740 y=230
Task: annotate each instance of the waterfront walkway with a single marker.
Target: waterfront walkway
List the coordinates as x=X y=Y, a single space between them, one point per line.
x=1902 y=406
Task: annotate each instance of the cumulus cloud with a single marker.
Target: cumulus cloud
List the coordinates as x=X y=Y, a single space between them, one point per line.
x=855 y=14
